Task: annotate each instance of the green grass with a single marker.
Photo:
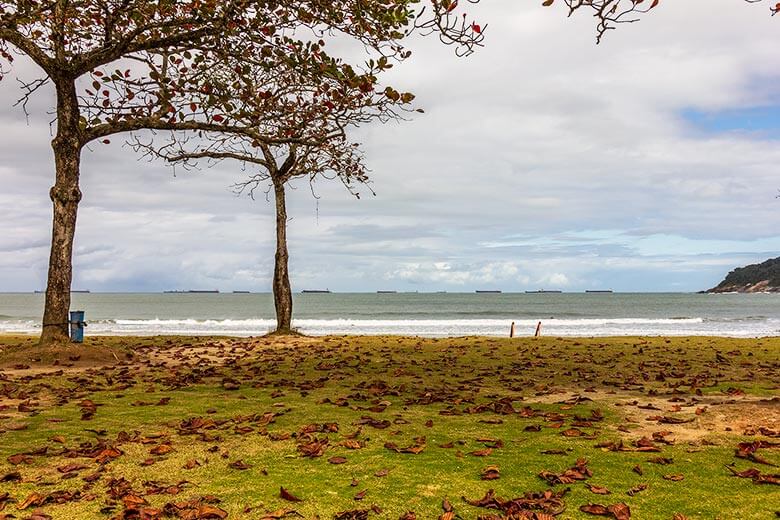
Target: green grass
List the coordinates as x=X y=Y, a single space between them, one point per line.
x=423 y=380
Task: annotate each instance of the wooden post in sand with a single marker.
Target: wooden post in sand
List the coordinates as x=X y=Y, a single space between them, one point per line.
x=538 y=330
x=512 y=330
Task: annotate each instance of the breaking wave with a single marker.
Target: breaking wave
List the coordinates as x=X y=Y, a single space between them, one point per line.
x=750 y=327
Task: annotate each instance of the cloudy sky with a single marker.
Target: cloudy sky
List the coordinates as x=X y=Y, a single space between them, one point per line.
x=647 y=163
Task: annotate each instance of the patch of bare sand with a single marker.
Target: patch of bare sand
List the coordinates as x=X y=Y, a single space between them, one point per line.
x=29 y=356
x=708 y=416
x=217 y=351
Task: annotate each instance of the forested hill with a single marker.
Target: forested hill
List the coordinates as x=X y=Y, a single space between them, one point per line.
x=763 y=277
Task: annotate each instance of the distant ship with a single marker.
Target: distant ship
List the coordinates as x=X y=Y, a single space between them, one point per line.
x=387 y=292
x=315 y=291
x=213 y=291
x=241 y=292
x=604 y=291
x=541 y=291
x=489 y=292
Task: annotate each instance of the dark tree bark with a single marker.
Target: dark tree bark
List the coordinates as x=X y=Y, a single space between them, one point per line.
x=281 y=288
x=65 y=196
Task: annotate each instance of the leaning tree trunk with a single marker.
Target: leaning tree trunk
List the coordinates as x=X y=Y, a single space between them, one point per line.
x=281 y=288
x=65 y=196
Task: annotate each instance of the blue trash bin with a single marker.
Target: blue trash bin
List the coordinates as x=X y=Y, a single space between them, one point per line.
x=77 y=325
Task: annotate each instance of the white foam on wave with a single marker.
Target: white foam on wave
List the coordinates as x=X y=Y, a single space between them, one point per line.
x=426 y=327
x=347 y=322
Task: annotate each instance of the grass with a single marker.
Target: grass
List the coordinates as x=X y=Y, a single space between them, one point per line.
x=735 y=385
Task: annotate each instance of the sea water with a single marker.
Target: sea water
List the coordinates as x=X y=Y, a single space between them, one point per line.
x=421 y=314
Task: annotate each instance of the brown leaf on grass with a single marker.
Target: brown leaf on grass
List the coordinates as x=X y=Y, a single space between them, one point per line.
x=69 y=468
x=88 y=409
x=314 y=448
x=638 y=470
x=319 y=428
x=415 y=449
x=360 y=495
x=663 y=461
x=337 y=460
x=379 y=424
x=579 y=471
x=132 y=501
x=20 y=458
x=482 y=453
x=490 y=473
x=598 y=490
x=546 y=502
x=382 y=472
x=230 y=384
x=13 y=476
x=767 y=479
x=280 y=513
x=33 y=500
x=674 y=477
x=107 y=454
x=356 y=514
x=674 y=420
x=679 y=516
x=409 y=515
x=619 y=511
x=191 y=464
x=769 y=433
x=206 y=511
x=636 y=489
x=351 y=444
x=239 y=464
x=36 y=515
x=748 y=473
x=747 y=450
x=595 y=509
x=286 y=495
x=161 y=449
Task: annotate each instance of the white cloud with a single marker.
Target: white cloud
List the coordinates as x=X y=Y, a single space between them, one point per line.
x=541 y=160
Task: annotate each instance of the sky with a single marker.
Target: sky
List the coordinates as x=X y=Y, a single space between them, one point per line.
x=543 y=161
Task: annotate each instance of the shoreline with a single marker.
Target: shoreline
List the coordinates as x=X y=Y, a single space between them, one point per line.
x=269 y=335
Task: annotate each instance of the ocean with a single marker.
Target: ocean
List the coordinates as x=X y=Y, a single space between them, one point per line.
x=421 y=314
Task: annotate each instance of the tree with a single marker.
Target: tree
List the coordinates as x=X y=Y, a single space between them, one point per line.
x=610 y=13
x=112 y=63
x=317 y=115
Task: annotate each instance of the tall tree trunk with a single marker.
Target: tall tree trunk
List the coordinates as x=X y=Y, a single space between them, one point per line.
x=65 y=196
x=281 y=288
